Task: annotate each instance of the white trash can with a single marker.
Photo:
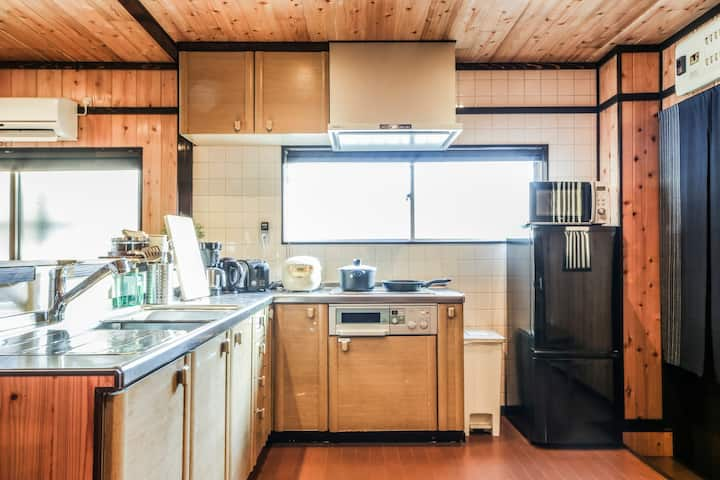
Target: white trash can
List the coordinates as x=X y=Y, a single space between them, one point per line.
x=483 y=380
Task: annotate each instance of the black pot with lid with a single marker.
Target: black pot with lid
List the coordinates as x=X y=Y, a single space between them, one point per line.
x=357 y=277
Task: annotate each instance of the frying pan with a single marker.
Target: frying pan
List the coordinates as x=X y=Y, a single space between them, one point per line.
x=412 y=285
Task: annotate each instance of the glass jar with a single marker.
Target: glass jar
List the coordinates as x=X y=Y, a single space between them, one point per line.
x=129 y=289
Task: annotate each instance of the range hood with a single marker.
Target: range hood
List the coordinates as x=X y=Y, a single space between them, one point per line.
x=392 y=96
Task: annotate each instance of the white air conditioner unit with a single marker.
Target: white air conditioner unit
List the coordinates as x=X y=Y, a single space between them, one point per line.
x=37 y=119
x=697 y=58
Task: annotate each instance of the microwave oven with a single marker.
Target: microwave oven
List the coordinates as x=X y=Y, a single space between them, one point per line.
x=568 y=203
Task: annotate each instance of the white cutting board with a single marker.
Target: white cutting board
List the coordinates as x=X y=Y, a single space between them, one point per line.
x=188 y=261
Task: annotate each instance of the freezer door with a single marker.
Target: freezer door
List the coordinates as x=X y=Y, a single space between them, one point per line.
x=576 y=301
x=577 y=402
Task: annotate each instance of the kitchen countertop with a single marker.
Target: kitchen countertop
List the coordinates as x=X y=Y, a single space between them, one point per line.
x=128 y=368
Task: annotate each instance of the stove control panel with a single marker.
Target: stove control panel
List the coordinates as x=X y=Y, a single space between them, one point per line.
x=413 y=319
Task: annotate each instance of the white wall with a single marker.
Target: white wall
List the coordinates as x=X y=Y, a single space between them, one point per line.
x=235 y=188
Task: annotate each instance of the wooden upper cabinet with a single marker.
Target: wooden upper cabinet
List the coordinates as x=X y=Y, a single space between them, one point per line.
x=301 y=391
x=291 y=92
x=216 y=92
x=143 y=427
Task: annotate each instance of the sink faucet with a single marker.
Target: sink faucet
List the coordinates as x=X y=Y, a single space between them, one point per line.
x=61 y=298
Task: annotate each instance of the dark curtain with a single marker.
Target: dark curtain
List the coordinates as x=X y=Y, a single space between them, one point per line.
x=714 y=147
x=694 y=125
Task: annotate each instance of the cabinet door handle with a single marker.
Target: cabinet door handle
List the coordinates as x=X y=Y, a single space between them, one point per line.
x=261 y=381
x=310 y=312
x=451 y=312
x=260 y=412
x=238 y=338
x=344 y=344
x=182 y=375
x=270 y=313
x=237 y=126
x=225 y=346
x=269 y=125
x=261 y=349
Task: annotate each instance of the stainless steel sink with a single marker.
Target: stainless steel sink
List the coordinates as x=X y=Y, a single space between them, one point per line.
x=145 y=325
x=171 y=316
x=99 y=341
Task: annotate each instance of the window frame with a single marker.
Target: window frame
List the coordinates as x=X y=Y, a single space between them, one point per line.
x=16 y=160
x=541 y=150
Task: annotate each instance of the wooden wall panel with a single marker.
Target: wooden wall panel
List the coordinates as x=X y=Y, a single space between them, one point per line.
x=608 y=79
x=650 y=444
x=47 y=426
x=641 y=250
x=640 y=72
x=156 y=134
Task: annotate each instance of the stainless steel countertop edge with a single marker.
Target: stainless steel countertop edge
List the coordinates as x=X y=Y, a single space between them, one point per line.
x=146 y=363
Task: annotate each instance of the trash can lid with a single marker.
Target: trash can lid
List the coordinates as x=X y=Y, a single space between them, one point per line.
x=473 y=335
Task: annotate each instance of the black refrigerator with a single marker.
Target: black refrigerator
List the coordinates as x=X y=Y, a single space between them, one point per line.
x=564 y=369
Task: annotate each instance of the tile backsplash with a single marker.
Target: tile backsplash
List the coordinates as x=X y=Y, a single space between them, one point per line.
x=237 y=187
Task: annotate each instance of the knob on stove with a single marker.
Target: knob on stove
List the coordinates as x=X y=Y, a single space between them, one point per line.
x=411 y=324
x=394 y=320
x=424 y=324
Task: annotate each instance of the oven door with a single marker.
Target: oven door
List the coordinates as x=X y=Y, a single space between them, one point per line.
x=561 y=202
x=359 y=320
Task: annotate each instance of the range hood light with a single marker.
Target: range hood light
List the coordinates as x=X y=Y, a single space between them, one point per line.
x=343 y=140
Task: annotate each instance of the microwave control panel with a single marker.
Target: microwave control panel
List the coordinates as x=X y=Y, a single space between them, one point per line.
x=602 y=204
x=413 y=319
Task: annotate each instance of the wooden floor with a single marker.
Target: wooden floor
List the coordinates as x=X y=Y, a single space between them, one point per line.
x=509 y=457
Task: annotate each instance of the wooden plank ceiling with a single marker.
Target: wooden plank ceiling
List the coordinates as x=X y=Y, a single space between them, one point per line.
x=74 y=31
x=485 y=30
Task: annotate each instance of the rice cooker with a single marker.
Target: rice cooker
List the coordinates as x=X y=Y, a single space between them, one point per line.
x=302 y=274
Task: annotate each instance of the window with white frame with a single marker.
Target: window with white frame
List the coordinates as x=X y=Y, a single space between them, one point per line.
x=465 y=194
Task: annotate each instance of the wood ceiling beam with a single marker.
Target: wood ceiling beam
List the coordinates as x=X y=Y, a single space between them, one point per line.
x=151 y=26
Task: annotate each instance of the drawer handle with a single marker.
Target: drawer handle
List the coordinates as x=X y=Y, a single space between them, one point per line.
x=181 y=376
x=261 y=349
x=238 y=338
x=310 y=312
x=344 y=344
x=260 y=412
x=451 y=312
x=225 y=346
x=261 y=381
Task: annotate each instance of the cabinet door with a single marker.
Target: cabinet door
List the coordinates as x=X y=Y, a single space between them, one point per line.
x=207 y=419
x=240 y=407
x=451 y=365
x=261 y=394
x=291 y=92
x=143 y=427
x=300 y=365
x=216 y=92
x=383 y=383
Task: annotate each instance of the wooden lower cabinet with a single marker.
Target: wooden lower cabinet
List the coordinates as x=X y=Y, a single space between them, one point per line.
x=46 y=426
x=209 y=365
x=451 y=367
x=239 y=445
x=383 y=383
x=300 y=364
x=261 y=384
x=143 y=427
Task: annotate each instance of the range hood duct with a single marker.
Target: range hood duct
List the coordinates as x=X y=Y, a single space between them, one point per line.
x=392 y=96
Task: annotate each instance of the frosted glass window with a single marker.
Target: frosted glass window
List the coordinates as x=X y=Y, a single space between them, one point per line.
x=465 y=194
x=485 y=201
x=346 y=201
x=74 y=214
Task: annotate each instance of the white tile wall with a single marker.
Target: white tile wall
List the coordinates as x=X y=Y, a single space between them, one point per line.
x=235 y=188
